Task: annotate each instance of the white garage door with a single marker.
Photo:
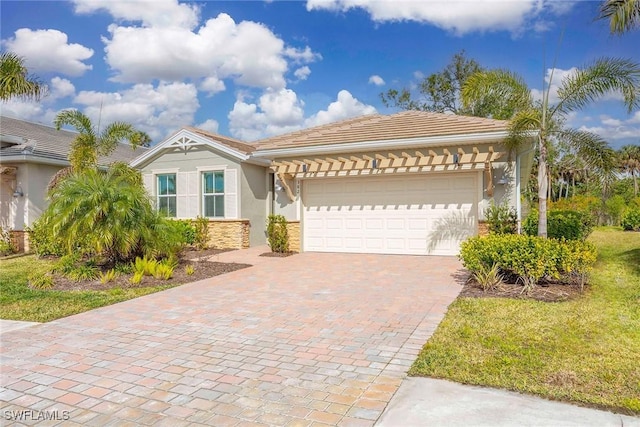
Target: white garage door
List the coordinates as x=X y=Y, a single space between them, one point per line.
x=411 y=214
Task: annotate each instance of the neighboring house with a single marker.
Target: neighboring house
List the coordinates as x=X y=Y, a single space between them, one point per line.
x=194 y=173
x=30 y=155
x=408 y=183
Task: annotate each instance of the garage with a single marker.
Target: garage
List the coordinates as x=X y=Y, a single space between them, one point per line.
x=420 y=214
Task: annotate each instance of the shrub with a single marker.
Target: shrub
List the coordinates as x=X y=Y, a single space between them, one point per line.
x=488 y=278
x=201 y=227
x=277 y=234
x=631 y=221
x=136 y=278
x=6 y=243
x=189 y=269
x=615 y=208
x=163 y=271
x=501 y=219
x=72 y=267
x=145 y=266
x=569 y=225
x=41 y=281
x=108 y=276
x=529 y=258
x=84 y=272
x=186 y=230
x=42 y=241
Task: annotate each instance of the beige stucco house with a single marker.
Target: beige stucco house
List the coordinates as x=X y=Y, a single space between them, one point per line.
x=195 y=173
x=30 y=155
x=408 y=183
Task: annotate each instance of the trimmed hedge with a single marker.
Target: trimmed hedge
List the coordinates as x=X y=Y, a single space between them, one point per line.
x=567 y=224
x=529 y=257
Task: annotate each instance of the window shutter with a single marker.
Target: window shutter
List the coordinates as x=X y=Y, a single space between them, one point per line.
x=182 y=201
x=147 y=180
x=231 y=193
x=193 y=194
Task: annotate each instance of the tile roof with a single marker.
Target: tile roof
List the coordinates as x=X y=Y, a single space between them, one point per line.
x=377 y=127
x=45 y=141
x=229 y=142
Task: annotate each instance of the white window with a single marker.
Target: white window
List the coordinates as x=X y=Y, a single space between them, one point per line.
x=213 y=194
x=166 y=195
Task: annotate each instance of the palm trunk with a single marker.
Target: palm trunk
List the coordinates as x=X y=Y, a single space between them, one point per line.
x=542 y=190
x=635 y=184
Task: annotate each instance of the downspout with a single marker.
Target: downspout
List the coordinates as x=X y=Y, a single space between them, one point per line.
x=519 y=189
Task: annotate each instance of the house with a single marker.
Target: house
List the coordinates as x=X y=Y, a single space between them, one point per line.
x=30 y=155
x=408 y=183
x=194 y=173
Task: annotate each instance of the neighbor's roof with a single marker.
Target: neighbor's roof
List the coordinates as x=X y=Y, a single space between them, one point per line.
x=225 y=140
x=377 y=127
x=38 y=140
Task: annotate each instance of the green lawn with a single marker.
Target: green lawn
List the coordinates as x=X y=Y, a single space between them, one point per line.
x=585 y=351
x=19 y=302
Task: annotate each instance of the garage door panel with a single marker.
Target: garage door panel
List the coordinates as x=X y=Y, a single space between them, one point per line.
x=389 y=214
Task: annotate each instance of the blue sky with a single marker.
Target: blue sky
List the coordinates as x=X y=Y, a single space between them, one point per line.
x=251 y=69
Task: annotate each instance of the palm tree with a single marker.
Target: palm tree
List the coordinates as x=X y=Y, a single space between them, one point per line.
x=629 y=158
x=91 y=142
x=108 y=214
x=623 y=15
x=15 y=81
x=575 y=92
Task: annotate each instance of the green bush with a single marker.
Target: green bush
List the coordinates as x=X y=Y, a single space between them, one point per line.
x=201 y=227
x=501 y=219
x=277 y=234
x=6 y=243
x=530 y=258
x=569 y=225
x=41 y=281
x=631 y=221
x=186 y=230
x=42 y=241
x=615 y=208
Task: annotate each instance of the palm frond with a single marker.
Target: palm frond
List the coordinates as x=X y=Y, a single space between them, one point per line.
x=77 y=119
x=500 y=91
x=623 y=15
x=605 y=75
x=15 y=80
x=591 y=149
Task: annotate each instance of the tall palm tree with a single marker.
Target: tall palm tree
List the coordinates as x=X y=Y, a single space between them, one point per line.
x=623 y=15
x=629 y=158
x=91 y=142
x=575 y=92
x=15 y=81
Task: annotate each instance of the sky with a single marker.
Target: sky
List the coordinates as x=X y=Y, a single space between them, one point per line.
x=253 y=69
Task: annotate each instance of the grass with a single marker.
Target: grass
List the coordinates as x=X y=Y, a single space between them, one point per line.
x=585 y=351
x=19 y=302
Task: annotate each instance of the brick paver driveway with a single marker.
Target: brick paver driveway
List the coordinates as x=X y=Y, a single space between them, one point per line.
x=311 y=339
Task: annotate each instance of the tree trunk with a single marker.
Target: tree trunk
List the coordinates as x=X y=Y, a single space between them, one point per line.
x=542 y=189
x=635 y=184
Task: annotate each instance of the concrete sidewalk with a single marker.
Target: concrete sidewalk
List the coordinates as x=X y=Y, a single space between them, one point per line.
x=432 y=402
x=12 y=325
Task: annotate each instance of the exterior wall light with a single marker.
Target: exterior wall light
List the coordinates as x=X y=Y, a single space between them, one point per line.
x=456 y=159
x=18 y=192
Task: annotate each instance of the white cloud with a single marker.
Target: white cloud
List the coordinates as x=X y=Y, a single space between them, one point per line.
x=278 y=112
x=344 y=107
x=49 y=50
x=209 y=125
x=275 y=112
x=159 y=13
x=302 y=73
x=61 y=88
x=458 y=16
x=212 y=85
x=247 y=52
x=156 y=110
x=616 y=131
x=376 y=80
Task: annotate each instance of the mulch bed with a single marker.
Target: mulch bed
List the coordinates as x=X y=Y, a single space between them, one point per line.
x=278 y=254
x=545 y=291
x=202 y=270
